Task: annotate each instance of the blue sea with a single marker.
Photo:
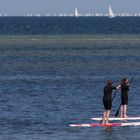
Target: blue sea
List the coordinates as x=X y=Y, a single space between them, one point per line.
x=53 y=71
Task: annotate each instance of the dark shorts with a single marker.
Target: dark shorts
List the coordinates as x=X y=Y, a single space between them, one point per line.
x=107 y=104
x=124 y=100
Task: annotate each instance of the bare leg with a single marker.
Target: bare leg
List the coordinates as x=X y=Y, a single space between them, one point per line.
x=125 y=110
x=122 y=111
x=104 y=116
x=107 y=116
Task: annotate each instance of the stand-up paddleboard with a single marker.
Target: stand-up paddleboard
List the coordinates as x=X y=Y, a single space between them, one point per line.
x=106 y=125
x=117 y=118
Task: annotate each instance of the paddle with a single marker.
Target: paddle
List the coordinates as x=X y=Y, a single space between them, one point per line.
x=114 y=95
x=116 y=114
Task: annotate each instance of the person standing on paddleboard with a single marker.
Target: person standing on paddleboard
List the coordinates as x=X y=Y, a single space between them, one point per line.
x=124 y=97
x=107 y=101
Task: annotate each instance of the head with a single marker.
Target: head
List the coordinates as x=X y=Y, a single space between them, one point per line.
x=109 y=83
x=124 y=81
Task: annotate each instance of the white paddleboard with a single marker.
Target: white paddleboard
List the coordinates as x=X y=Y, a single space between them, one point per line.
x=117 y=118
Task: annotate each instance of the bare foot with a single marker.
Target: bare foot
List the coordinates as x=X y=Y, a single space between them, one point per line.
x=125 y=116
x=108 y=123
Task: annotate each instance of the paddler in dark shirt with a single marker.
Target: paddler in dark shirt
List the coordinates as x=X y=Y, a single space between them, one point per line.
x=107 y=100
x=124 y=97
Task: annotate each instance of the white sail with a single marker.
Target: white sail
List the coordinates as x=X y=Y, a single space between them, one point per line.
x=76 y=13
x=111 y=14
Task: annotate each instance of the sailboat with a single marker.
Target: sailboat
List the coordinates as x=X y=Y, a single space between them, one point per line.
x=111 y=14
x=76 y=12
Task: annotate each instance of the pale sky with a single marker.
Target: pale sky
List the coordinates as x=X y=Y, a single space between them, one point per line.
x=22 y=7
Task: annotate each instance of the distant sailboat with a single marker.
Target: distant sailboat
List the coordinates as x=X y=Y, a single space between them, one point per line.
x=76 y=12
x=111 y=14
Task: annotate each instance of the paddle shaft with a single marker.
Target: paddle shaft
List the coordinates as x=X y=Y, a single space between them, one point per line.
x=114 y=95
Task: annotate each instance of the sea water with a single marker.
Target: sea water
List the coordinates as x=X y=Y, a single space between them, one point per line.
x=53 y=71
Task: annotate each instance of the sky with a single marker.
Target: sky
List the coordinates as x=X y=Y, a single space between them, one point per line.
x=22 y=7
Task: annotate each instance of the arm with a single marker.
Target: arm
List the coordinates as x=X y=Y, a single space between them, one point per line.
x=118 y=87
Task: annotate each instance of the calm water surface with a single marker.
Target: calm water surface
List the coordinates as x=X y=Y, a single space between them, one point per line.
x=49 y=82
x=52 y=74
